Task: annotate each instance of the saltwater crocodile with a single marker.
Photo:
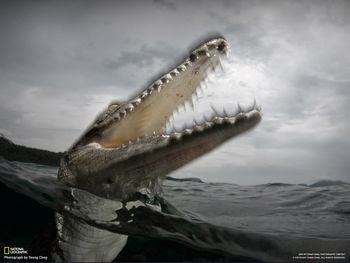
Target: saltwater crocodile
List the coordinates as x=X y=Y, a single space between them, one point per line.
x=127 y=150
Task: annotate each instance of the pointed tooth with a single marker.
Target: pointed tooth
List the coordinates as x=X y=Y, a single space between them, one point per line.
x=207 y=119
x=181 y=108
x=122 y=114
x=191 y=105
x=194 y=97
x=149 y=90
x=181 y=68
x=187 y=63
x=188 y=131
x=196 y=123
x=166 y=78
x=176 y=135
x=157 y=83
x=239 y=108
x=144 y=94
x=214 y=110
x=129 y=107
x=198 y=128
x=188 y=105
x=220 y=66
x=208 y=124
x=136 y=101
x=218 y=120
x=174 y=73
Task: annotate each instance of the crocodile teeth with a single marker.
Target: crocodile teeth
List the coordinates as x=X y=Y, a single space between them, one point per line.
x=136 y=102
x=188 y=131
x=208 y=124
x=144 y=94
x=157 y=83
x=129 y=107
x=176 y=135
x=166 y=79
x=181 y=68
x=187 y=63
x=219 y=120
x=174 y=73
x=239 y=108
x=122 y=114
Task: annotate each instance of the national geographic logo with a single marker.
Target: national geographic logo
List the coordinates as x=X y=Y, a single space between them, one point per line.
x=6 y=250
x=15 y=251
x=19 y=253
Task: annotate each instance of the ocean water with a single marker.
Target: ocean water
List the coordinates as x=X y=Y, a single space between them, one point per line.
x=207 y=221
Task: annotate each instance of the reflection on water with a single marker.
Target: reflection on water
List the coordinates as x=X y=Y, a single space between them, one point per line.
x=268 y=222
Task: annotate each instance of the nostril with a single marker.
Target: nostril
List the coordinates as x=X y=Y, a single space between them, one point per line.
x=222 y=46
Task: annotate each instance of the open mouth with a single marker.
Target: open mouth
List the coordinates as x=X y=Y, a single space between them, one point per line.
x=149 y=112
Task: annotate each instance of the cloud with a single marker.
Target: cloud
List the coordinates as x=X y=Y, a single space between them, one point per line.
x=61 y=63
x=166 y=4
x=146 y=56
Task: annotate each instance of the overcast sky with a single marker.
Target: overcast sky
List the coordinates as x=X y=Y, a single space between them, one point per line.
x=62 y=62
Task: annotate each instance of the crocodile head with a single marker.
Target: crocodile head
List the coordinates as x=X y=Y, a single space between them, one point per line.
x=128 y=148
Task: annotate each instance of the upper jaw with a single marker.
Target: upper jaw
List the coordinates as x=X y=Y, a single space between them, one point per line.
x=148 y=113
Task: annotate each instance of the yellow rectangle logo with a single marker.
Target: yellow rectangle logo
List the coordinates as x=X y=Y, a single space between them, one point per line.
x=6 y=250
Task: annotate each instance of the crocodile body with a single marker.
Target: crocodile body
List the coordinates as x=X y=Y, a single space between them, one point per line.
x=127 y=150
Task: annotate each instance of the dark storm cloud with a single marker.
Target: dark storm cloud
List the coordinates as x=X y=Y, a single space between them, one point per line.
x=62 y=62
x=166 y=4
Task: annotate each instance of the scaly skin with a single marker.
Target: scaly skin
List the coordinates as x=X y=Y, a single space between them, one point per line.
x=127 y=151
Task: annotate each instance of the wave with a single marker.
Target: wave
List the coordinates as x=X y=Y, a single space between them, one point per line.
x=187 y=179
x=270 y=222
x=324 y=183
